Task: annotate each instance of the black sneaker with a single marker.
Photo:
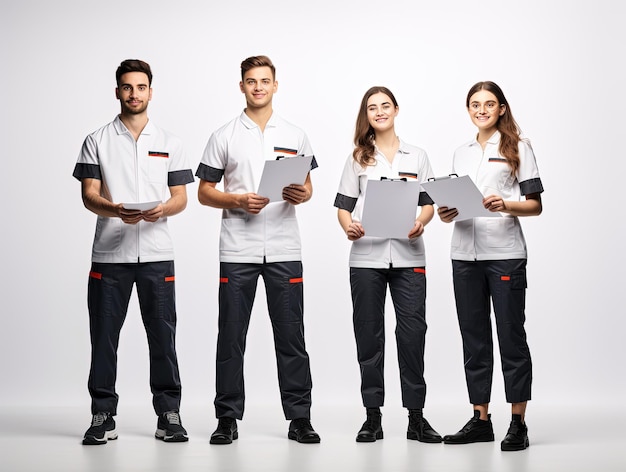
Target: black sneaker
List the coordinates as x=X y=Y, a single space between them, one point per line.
x=170 y=429
x=101 y=430
x=516 y=438
x=475 y=430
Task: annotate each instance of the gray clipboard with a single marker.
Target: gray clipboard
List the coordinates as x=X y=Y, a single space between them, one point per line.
x=460 y=193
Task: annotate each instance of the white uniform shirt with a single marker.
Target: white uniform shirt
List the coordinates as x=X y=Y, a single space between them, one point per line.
x=410 y=162
x=493 y=238
x=238 y=151
x=133 y=171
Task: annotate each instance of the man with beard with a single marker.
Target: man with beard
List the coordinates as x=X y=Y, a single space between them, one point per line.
x=133 y=176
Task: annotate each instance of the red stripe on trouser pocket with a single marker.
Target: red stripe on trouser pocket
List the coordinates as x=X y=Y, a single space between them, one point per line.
x=223 y=280
x=95 y=275
x=421 y=271
x=505 y=277
x=170 y=278
x=296 y=280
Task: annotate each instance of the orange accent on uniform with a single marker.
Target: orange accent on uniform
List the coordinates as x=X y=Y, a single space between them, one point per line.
x=505 y=277
x=296 y=280
x=170 y=278
x=95 y=275
x=223 y=280
x=419 y=270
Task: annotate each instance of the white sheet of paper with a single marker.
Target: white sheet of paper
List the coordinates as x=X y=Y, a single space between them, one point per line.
x=390 y=208
x=460 y=193
x=282 y=172
x=142 y=206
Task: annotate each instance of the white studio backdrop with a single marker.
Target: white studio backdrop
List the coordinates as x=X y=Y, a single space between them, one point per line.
x=557 y=62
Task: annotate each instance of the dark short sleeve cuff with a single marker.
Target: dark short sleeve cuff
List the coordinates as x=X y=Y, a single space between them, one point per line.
x=425 y=199
x=87 y=171
x=530 y=186
x=313 y=163
x=210 y=174
x=179 y=177
x=345 y=203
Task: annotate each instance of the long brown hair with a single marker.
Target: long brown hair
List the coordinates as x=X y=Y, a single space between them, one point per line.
x=508 y=127
x=365 y=150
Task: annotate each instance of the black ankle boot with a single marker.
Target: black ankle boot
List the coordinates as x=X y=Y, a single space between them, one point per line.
x=372 y=428
x=475 y=430
x=516 y=438
x=420 y=430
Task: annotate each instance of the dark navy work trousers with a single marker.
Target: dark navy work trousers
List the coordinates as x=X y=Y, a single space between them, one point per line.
x=284 y=292
x=109 y=291
x=408 y=293
x=477 y=284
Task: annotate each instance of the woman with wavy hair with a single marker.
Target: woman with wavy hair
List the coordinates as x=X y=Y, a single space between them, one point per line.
x=489 y=263
x=377 y=263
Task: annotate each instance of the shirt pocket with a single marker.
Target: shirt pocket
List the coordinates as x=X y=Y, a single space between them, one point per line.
x=499 y=232
x=287 y=235
x=461 y=228
x=362 y=246
x=416 y=246
x=108 y=235
x=233 y=235
x=162 y=238
x=157 y=169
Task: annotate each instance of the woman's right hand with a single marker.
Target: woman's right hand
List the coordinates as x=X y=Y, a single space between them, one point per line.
x=447 y=215
x=355 y=231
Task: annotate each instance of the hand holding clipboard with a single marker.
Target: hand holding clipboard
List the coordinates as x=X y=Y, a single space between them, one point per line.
x=460 y=194
x=281 y=173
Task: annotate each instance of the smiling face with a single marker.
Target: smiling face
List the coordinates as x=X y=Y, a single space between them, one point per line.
x=259 y=86
x=485 y=110
x=134 y=93
x=381 y=112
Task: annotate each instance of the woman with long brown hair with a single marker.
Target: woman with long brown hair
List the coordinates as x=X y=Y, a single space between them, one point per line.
x=377 y=263
x=489 y=263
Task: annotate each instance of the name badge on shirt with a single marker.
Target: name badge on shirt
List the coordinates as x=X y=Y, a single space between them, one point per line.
x=159 y=154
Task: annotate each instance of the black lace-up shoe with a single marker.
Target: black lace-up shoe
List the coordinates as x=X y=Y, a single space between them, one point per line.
x=475 y=430
x=101 y=430
x=170 y=428
x=516 y=438
x=419 y=429
x=226 y=431
x=301 y=430
x=372 y=428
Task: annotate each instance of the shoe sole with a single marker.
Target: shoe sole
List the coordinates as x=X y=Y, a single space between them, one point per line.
x=294 y=437
x=224 y=439
x=94 y=441
x=378 y=435
x=160 y=434
x=414 y=437
x=469 y=442
x=505 y=447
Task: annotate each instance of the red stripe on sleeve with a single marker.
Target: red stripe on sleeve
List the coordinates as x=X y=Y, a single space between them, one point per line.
x=419 y=270
x=505 y=277
x=170 y=278
x=95 y=275
x=296 y=280
x=223 y=280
